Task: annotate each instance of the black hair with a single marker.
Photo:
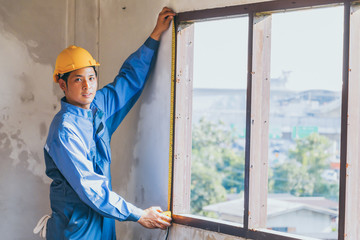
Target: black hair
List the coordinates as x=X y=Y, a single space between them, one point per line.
x=64 y=76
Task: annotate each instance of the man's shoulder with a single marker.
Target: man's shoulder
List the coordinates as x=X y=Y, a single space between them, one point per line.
x=65 y=123
x=63 y=118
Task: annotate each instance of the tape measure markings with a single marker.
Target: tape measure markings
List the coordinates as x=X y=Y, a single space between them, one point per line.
x=172 y=108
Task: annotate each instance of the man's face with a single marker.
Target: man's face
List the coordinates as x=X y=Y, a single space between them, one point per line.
x=81 y=87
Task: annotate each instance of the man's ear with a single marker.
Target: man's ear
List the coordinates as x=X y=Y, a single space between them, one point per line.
x=62 y=84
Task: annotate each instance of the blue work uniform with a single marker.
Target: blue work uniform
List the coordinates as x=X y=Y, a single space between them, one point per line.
x=78 y=156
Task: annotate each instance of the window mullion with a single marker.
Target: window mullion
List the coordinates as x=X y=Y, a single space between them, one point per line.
x=349 y=207
x=248 y=122
x=259 y=121
x=183 y=109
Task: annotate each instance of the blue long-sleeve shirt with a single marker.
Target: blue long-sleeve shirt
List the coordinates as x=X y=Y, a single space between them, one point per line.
x=78 y=156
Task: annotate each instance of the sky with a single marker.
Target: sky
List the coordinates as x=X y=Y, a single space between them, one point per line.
x=306 y=43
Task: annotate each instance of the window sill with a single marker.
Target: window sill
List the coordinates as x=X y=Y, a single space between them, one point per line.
x=234 y=229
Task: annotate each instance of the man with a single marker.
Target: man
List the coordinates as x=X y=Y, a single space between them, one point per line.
x=77 y=150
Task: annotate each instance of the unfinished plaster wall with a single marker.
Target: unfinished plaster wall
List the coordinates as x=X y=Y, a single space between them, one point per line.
x=140 y=146
x=31 y=34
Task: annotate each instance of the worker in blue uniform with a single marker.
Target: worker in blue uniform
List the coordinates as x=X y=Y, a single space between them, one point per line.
x=77 y=150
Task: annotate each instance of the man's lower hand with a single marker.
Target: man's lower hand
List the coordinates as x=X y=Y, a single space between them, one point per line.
x=153 y=218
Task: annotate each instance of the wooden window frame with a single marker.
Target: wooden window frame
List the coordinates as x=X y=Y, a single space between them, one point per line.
x=257 y=116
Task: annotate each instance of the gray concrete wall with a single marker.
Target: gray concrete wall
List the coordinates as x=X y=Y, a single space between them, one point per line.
x=32 y=33
x=141 y=144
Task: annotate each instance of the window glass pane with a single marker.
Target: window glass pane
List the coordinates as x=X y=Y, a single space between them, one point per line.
x=304 y=130
x=218 y=118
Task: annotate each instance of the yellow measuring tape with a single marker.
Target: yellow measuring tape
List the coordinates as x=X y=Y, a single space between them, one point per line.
x=172 y=100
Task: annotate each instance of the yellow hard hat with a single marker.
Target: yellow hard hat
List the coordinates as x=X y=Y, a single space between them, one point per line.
x=73 y=58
